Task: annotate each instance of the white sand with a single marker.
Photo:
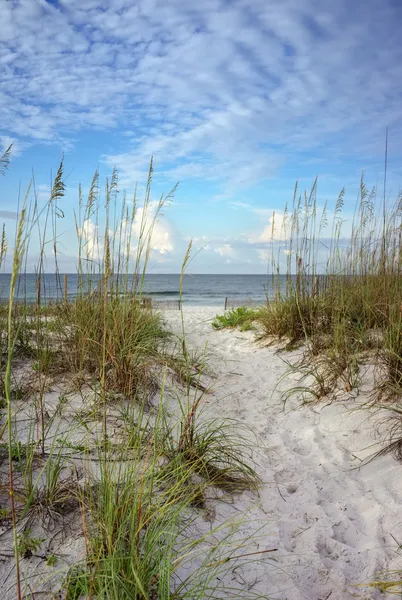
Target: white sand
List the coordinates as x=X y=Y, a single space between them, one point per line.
x=330 y=520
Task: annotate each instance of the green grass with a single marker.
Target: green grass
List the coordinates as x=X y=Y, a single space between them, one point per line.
x=139 y=513
x=119 y=340
x=143 y=488
x=241 y=317
x=343 y=294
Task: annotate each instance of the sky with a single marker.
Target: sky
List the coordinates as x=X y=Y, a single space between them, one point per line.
x=235 y=100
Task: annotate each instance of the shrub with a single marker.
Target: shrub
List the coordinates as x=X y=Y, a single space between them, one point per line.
x=242 y=317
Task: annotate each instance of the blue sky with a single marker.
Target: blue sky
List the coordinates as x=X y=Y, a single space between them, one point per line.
x=235 y=100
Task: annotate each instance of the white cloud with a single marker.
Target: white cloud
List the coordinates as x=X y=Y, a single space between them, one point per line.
x=92 y=246
x=223 y=91
x=225 y=250
x=200 y=243
x=257 y=210
x=277 y=229
x=43 y=191
x=162 y=239
x=202 y=239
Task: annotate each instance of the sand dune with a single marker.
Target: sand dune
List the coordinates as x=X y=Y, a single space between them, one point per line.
x=329 y=514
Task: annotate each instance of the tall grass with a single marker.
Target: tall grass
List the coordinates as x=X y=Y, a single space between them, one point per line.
x=343 y=291
x=18 y=254
x=141 y=490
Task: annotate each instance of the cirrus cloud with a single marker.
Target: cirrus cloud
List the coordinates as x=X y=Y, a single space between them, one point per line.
x=272 y=80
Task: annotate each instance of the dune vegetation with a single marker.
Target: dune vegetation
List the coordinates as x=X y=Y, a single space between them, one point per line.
x=102 y=472
x=349 y=304
x=342 y=296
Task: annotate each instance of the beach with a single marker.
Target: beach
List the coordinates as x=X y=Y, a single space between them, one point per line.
x=319 y=527
x=200 y=300
x=328 y=511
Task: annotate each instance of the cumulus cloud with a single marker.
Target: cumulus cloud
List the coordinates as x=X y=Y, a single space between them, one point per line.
x=92 y=245
x=272 y=80
x=162 y=238
x=277 y=229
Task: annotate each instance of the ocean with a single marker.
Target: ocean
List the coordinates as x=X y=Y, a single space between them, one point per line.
x=204 y=290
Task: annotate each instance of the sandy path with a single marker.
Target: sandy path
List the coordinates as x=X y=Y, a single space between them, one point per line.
x=330 y=520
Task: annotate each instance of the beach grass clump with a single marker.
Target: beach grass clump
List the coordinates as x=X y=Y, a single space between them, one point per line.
x=340 y=293
x=242 y=317
x=140 y=478
x=287 y=317
x=219 y=451
x=139 y=541
x=390 y=429
x=120 y=341
x=132 y=530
